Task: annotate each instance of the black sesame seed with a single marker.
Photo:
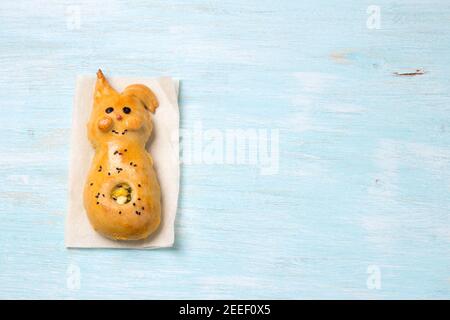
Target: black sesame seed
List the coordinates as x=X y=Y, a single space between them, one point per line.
x=139 y=198
x=98 y=202
x=125 y=150
x=109 y=173
x=139 y=185
x=91 y=184
x=131 y=163
x=134 y=204
x=120 y=212
x=143 y=208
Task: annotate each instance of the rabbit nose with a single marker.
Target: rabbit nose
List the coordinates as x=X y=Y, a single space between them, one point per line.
x=119 y=117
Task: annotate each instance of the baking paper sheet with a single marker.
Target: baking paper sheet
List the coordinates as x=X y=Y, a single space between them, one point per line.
x=163 y=146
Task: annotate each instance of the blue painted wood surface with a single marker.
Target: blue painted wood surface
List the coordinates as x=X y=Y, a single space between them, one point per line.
x=359 y=207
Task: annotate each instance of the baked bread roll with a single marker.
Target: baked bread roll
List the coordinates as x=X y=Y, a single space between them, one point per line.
x=122 y=196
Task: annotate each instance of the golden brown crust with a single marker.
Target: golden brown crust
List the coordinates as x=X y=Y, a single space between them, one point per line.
x=144 y=94
x=119 y=136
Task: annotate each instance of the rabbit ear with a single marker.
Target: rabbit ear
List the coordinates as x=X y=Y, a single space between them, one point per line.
x=102 y=87
x=144 y=94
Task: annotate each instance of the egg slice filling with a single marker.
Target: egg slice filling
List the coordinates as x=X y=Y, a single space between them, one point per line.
x=121 y=193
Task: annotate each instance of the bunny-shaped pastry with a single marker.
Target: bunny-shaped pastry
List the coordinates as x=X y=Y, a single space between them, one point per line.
x=122 y=196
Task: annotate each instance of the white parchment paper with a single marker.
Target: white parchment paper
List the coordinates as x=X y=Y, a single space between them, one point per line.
x=163 y=146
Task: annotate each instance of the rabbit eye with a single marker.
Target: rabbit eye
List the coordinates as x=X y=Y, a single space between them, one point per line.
x=126 y=110
x=109 y=110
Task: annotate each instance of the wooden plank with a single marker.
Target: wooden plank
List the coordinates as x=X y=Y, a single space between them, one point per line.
x=358 y=206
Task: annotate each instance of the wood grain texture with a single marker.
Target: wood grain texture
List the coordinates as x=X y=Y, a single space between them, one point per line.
x=364 y=155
